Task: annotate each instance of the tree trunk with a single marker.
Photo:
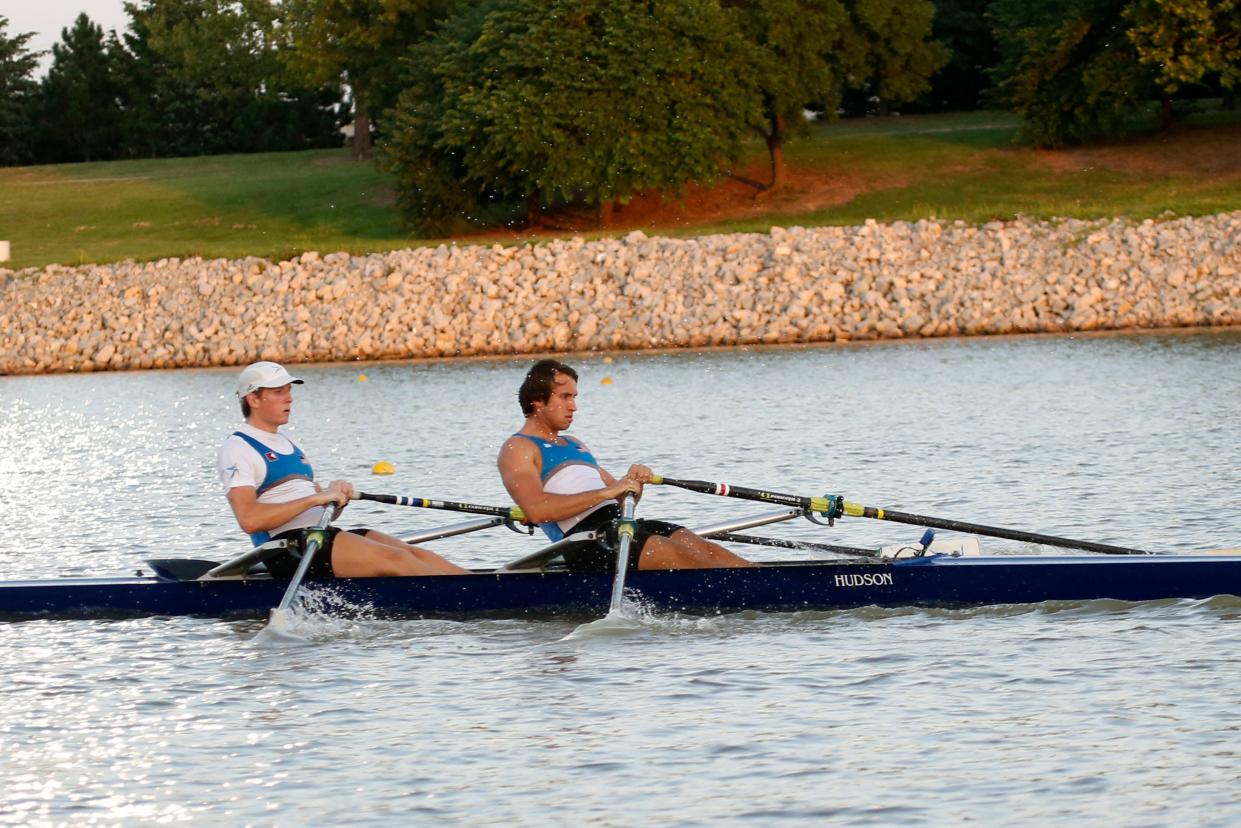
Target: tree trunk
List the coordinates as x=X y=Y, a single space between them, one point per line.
x=1165 y=113
x=775 y=149
x=361 y=132
x=534 y=209
x=605 y=214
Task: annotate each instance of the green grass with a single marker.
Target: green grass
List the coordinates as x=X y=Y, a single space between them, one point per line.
x=958 y=166
x=268 y=205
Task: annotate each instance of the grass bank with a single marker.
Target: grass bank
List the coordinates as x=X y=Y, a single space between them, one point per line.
x=961 y=166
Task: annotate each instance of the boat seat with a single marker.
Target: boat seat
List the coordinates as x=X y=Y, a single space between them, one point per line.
x=243 y=563
x=194 y=569
x=181 y=569
x=542 y=558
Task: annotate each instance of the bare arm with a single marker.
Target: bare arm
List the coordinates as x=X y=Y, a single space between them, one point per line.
x=518 y=462
x=253 y=516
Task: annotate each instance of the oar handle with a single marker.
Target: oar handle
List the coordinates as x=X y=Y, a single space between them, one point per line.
x=513 y=513
x=827 y=505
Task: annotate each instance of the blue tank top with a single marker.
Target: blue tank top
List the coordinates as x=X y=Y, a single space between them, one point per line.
x=556 y=457
x=280 y=468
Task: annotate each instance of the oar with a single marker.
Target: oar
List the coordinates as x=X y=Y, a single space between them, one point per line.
x=833 y=505
x=781 y=543
x=314 y=542
x=512 y=513
x=624 y=529
x=823 y=505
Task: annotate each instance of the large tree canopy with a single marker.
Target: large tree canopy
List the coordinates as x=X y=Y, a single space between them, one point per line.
x=1069 y=69
x=569 y=100
x=17 y=96
x=204 y=76
x=359 y=43
x=80 y=111
x=1187 y=40
x=889 y=47
x=962 y=26
x=797 y=52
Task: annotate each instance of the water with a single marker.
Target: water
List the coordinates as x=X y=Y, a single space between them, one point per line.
x=1100 y=713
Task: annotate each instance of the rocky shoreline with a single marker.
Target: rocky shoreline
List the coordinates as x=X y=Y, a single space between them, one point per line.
x=875 y=281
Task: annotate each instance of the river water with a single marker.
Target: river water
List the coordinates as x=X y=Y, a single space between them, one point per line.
x=1099 y=713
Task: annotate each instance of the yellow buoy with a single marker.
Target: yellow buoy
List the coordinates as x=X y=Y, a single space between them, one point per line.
x=606 y=381
x=361 y=377
x=383 y=467
x=607 y=360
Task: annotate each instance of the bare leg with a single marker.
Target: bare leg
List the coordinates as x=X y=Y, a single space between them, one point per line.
x=442 y=565
x=721 y=555
x=685 y=550
x=354 y=556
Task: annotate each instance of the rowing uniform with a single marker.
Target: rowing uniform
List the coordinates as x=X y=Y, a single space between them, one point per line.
x=571 y=469
x=279 y=472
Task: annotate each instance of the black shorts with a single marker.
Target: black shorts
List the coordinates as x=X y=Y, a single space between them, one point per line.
x=285 y=564
x=599 y=555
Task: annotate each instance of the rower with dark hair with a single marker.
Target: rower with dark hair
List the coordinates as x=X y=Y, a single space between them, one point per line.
x=558 y=484
x=271 y=488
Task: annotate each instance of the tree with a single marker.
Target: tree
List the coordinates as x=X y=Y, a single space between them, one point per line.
x=570 y=101
x=358 y=43
x=795 y=63
x=1068 y=68
x=17 y=96
x=205 y=76
x=80 y=106
x=889 y=46
x=1187 y=40
x=963 y=27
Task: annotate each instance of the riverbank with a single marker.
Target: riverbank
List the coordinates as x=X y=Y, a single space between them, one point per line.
x=873 y=281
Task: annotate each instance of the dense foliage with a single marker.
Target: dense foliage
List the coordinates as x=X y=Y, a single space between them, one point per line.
x=1078 y=69
x=358 y=43
x=1068 y=69
x=569 y=100
x=498 y=109
x=18 y=90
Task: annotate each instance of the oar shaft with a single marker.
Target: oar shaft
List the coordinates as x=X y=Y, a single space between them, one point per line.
x=813 y=504
x=829 y=504
x=509 y=512
x=314 y=542
x=858 y=510
x=783 y=543
x=625 y=530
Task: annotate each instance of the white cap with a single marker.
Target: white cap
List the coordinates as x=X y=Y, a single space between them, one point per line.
x=263 y=375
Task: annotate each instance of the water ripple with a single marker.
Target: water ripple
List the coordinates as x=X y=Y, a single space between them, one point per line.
x=1096 y=712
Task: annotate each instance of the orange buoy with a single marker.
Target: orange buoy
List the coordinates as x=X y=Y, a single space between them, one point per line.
x=383 y=467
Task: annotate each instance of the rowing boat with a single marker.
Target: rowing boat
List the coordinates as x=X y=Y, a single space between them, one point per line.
x=929 y=581
x=931 y=573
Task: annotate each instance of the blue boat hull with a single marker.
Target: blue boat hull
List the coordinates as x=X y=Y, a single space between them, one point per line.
x=932 y=581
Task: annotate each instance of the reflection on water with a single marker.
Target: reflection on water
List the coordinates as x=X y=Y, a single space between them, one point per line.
x=1100 y=712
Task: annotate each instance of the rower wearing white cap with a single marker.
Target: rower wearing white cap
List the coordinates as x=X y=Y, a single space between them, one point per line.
x=271 y=488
